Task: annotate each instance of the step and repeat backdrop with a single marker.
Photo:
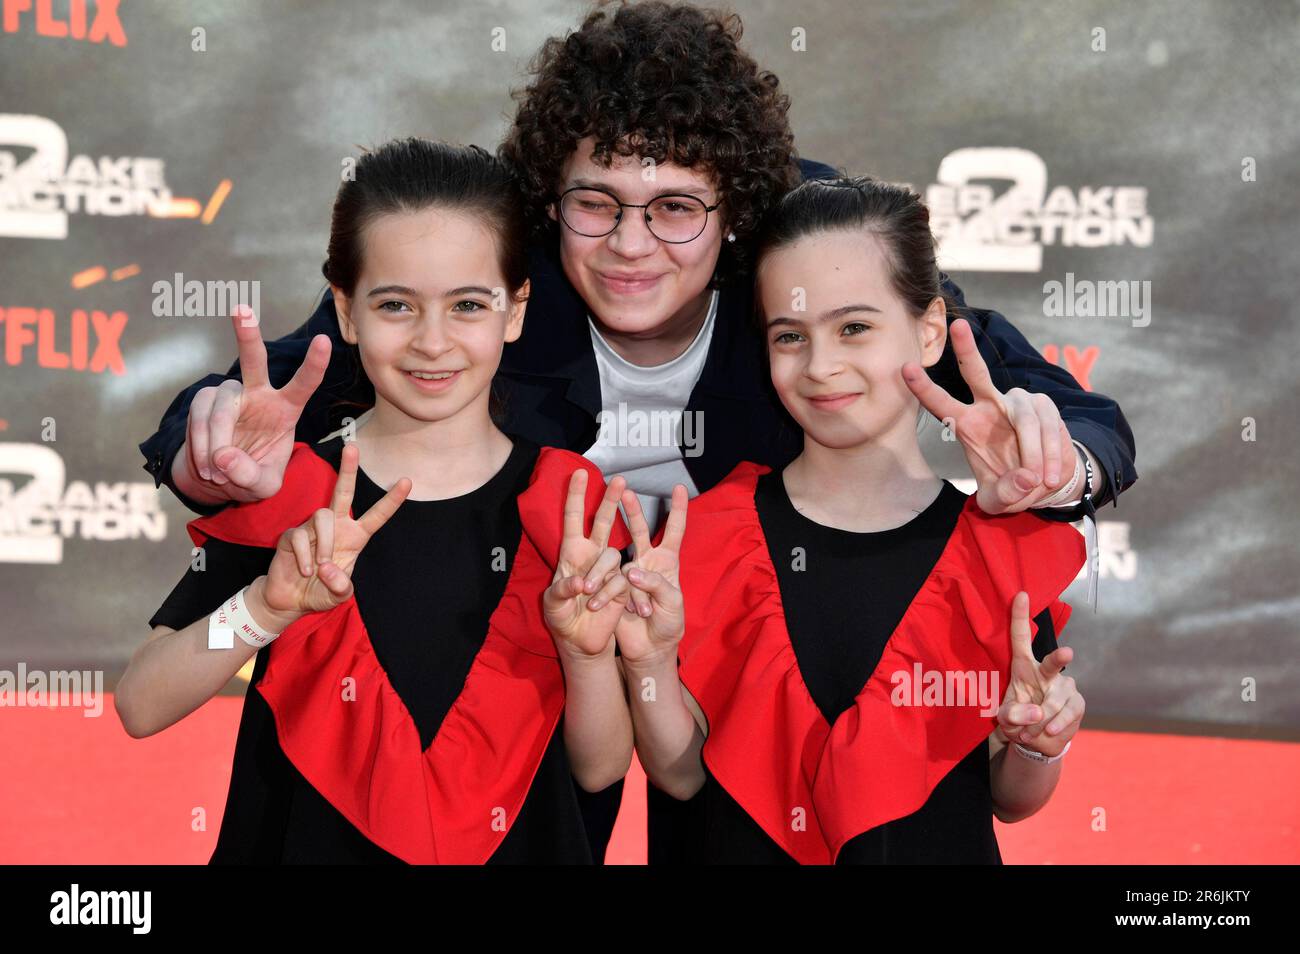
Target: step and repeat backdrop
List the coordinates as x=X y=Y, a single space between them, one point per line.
x=1120 y=180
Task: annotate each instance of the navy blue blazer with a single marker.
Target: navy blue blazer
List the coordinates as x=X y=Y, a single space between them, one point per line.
x=549 y=385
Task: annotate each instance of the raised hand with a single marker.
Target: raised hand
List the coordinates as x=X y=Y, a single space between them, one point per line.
x=1042 y=708
x=239 y=437
x=311 y=569
x=655 y=618
x=586 y=595
x=1016 y=443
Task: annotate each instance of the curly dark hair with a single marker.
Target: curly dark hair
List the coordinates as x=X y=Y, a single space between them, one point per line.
x=666 y=81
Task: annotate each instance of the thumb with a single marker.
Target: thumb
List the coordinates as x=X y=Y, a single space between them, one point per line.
x=1017 y=714
x=660 y=588
x=336 y=580
x=562 y=591
x=240 y=469
x=1014 y=486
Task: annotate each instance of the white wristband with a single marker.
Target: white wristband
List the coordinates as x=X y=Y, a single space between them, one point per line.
x=1040 y=757
x=232 y=619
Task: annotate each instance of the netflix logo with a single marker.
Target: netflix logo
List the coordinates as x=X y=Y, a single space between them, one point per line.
x=92 y=341
x=95 y=21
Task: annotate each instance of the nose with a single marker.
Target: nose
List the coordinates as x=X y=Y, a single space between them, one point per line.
x=823 y=359
x=632 y=237
x=431 y=335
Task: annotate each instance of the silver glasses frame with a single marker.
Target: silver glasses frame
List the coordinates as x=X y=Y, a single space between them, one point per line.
x=559 y=208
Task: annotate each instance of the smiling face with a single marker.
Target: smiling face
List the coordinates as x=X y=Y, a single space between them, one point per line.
x=635 y=284
x=430 y=312
x=837 y=363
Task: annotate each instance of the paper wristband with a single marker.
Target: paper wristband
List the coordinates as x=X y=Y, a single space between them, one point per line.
x=1040 y=757
x=232 y=619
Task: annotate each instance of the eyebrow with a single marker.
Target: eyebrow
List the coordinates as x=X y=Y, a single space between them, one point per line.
x=699 y=192
x=412 y=293
x=826 y=316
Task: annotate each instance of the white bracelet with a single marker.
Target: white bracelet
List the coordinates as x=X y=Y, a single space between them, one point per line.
x=1040 y=757
x=232 y=619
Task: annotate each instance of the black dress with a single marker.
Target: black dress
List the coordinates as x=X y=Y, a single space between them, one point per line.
x=440 y=560
x=843 y=594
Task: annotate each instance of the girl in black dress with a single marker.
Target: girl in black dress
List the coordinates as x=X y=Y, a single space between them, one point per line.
x=847 y=692
x=407 y=701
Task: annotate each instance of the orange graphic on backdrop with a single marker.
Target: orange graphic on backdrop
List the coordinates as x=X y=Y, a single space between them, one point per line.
x=182 y=208
x=107 y=25
x=92 y=276
x=1078 y=364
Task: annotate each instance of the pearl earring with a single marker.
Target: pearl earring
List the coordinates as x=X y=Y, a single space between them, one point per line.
x=731 y=236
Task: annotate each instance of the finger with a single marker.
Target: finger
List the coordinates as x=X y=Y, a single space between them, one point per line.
x=1021 y=639
x=675 y=526
x=1029 y=433
x=252 y=350
x=301 y=543
x=237 y=467
x=384 y=507
x=567 y=588
x=1014 y=489
x=614 y=590
x=335 y=580
x=1057 y=696
x=607 y=560
x=196 y=432
x=1049 y=422
x=1071 y=713
x=310 y=373
x=1054 y=662
x=636 y=524
x=605 y=513
x=661 y=589
x=346 y=485
x=932 y=397
x=323 y=523
x=575 y=506
x=221 y=420
x=1015 y=715
x=974 y=371
x=639 y=602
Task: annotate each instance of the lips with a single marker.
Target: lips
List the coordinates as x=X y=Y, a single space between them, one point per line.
x=422 y=379
x=631 y=283
x=833 y=402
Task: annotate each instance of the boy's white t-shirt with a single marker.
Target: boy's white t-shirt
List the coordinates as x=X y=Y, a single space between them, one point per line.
x=641 y=419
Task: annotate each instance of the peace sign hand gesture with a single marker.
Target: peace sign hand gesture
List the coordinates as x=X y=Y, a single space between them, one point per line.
x=1042 y=709
x=586 y=595
x=1016 y=443
x=311 y=569
x=655 y=618
x=239 y=436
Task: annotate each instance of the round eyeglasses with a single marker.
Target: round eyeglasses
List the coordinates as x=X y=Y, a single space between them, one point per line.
x=670 y=218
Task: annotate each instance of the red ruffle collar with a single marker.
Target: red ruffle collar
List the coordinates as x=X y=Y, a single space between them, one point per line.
x=345 y=728
x=813 y=786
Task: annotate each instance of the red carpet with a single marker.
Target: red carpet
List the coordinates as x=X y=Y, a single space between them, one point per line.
x=79 y=790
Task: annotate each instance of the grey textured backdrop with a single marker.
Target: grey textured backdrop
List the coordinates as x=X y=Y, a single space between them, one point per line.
x=1203 y=595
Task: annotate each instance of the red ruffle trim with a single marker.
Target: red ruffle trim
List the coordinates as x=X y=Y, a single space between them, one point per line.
x=345 y=728
x=810 y=785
